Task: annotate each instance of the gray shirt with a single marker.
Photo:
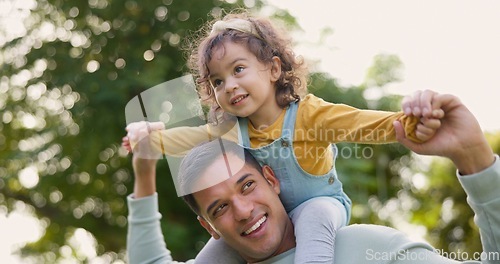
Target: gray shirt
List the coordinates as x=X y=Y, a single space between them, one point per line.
x=354 y=243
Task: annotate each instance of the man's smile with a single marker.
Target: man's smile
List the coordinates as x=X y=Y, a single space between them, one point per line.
x=255 y=226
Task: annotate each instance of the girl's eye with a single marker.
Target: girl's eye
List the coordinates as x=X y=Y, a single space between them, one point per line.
x=216 y=83
x=239 y=69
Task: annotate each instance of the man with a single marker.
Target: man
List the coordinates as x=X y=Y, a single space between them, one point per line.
x=246 y=212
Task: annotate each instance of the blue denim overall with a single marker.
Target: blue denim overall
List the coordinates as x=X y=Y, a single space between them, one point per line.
x=297 y=185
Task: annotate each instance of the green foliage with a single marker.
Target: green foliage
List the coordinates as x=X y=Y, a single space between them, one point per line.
x=367 y=171
x=386 y=68
x=442 y=208
x=65 y=84
x=392 y=188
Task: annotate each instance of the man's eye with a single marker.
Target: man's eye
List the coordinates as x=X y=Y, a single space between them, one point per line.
x=219 y=209
x=248 y=185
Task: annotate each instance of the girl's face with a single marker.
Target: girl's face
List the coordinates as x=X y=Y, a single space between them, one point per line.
x=243 y=85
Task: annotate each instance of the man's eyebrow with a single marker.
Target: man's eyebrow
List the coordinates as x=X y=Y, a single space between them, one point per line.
x=242 y=178
x=214 y=203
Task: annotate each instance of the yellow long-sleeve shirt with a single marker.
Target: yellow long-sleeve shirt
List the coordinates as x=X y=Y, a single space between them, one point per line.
x=318 y=125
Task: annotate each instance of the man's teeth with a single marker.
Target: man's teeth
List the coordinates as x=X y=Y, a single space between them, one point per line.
x=239 y=99
x=257 y=225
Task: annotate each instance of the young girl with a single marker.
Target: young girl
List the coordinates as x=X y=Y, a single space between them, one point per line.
x=247 y=68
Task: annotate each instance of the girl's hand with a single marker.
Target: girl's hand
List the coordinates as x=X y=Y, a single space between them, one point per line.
x=421 y=105
x=137 y=139
x=427 y=128
x=459 y=137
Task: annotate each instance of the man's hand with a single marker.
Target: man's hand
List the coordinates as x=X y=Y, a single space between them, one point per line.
x=459 y=138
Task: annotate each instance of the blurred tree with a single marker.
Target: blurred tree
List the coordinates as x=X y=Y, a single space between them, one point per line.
x=390 y=186
x=386 y=68
x=439 y=204
x=65 y=82
x=364 y=169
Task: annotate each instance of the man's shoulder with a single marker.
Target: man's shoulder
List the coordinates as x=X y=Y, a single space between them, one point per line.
x=359 y=243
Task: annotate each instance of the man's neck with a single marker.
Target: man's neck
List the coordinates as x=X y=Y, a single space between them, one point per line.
x=288 y=241
x=284 y=249
x=283 y=258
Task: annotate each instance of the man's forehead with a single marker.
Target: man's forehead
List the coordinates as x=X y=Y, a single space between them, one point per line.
x=229 y=161
x=222 y=169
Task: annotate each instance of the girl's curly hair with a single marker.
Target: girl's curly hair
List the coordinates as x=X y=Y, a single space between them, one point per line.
x=269 y=41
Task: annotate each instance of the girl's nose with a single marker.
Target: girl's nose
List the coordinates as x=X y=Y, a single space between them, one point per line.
x=231 y=85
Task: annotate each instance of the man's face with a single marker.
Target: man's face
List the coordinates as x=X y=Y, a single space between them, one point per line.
x=245 y=210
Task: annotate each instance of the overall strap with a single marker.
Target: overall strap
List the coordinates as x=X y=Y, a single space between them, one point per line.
x=289 y=123
x=244 y=139
x=287 y=130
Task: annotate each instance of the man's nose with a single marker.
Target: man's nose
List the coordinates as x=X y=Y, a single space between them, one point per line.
x=243 y=208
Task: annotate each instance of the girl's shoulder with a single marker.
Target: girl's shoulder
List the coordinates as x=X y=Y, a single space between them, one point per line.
x=311 y=101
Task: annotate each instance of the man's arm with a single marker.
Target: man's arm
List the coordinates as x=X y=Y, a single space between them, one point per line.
x=145 y=242
x=484 y=198
x=461 y=139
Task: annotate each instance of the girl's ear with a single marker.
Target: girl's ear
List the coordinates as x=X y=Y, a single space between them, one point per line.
x=275 y=68
x=208 y=226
